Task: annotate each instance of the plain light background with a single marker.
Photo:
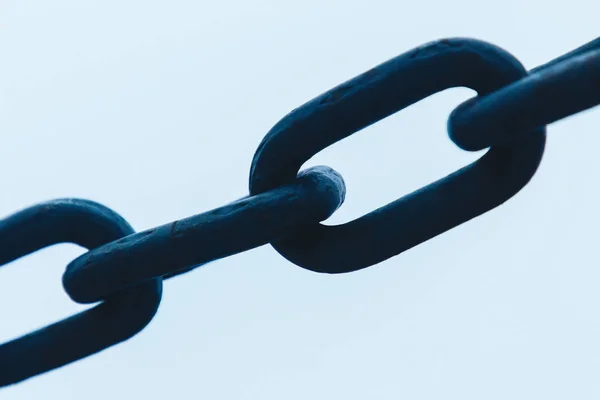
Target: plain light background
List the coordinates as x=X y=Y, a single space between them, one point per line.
x=155 y=109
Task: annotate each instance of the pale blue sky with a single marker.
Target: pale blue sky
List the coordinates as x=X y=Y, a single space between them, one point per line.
x=155 y=109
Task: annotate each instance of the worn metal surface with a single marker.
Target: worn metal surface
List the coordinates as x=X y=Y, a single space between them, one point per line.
x=364 y=100
x=183 y=245
x=125 y=270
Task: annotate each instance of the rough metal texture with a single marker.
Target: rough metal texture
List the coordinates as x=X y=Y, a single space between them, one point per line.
x=364 y=100
x=125 y=270
x=182 y=245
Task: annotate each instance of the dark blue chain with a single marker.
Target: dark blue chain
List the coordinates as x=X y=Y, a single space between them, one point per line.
x=366 y=99
x=125 y=270
x=118 y=318
x=181 y=245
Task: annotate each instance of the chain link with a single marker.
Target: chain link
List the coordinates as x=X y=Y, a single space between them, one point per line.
x=120 y=317
x=546 y=95
x=125 y=270
x=180 y=246
x=368 y=98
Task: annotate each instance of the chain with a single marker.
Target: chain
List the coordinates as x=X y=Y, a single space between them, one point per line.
x=124 y=270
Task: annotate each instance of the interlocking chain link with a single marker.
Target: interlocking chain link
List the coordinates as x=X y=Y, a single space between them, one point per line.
x=118 y=318
x=125 y=270
x=372 y=96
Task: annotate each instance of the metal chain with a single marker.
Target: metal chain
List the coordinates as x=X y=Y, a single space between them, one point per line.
x=125 y=270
